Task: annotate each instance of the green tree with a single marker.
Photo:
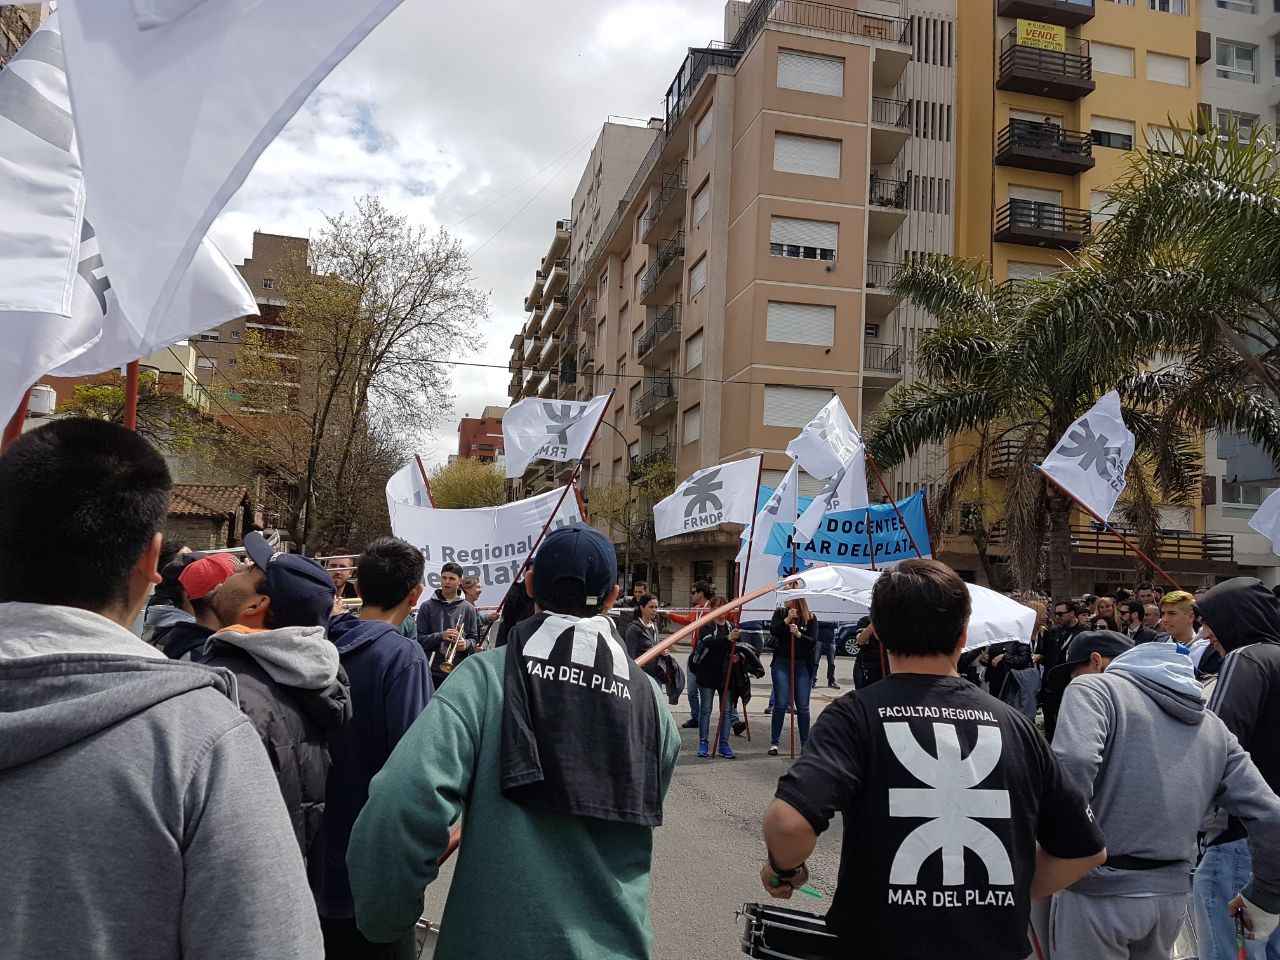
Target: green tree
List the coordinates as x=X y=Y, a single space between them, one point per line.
x=468 y=483
x=626 y=509
x=166 y=420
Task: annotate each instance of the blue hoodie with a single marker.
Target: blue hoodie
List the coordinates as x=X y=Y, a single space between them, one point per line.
x=390 y=686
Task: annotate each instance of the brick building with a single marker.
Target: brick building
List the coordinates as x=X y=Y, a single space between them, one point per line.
x=480 y=438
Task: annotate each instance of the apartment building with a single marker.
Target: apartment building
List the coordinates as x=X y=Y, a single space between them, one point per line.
x=480 y=438
x=17 y=22
x=741 y=279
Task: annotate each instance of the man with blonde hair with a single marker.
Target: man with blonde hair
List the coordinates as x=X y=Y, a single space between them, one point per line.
x=1177 y=617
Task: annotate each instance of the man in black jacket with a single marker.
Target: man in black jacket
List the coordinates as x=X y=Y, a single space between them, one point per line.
x=1132 y=614
x=1066 y=625
x=288 y=678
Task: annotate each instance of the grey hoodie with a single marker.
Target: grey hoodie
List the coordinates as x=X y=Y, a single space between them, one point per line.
x=1152 y=760
x=139 y=816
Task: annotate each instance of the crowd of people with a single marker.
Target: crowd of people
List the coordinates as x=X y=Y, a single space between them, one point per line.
x=247 y=754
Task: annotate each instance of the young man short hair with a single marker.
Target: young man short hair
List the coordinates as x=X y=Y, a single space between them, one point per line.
x=1132 y=614
x=448 y=627
x=557 y=752
x=132 y=788
x=1178 y=617
x=925 y=763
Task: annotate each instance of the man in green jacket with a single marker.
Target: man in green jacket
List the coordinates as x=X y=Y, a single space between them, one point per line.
x=560 y=751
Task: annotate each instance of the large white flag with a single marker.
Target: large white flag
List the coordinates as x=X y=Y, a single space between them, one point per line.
x=712 y=496
x=756 y=568
x=536 y=429
x=408 y=485
x=830 y=448
x=1267 y=520
x=1090 y=460
x=174 y=102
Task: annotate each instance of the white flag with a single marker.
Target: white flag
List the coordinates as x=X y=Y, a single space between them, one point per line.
x=1267 y=520
x=536 y=429
x=846 y=489
x=174 y=101
x=1090 y=460
x=827 y=442
x=407 y=485
x=757 y=567
x=712 y=496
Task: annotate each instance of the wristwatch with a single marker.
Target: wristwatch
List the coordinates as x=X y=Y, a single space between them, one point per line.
x=784 y=875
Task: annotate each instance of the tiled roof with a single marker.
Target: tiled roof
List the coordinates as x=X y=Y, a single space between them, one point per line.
x=205 y=499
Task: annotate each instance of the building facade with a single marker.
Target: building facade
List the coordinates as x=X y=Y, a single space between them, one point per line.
x=480 y=438
x=17 y=22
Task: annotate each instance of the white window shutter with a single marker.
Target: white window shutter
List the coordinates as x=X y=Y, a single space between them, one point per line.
x=1123 y=128
x=786 y=406
x=702 y=202
x=1114 y=60
x=808 y=486
x=1163 y=68
x=698 y=277
x=811 y=73
x=692 y=429
x=693 y=352
x=704 y=127
x=813 y=156
x=1102 y=206
x=803 y=233
x=1035 y=194
x=1030 y=271
x=1162 y=138
x=808 y=323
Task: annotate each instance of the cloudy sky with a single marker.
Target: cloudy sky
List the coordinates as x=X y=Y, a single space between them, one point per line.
x=442 y=112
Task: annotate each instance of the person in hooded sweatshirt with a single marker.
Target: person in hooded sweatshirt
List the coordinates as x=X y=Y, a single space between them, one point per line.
x=196 y=580
x=1135 y=737
x=288 y=677
x=390 y=687
x=138 y=816
x=447 y=622
x=1244 y=617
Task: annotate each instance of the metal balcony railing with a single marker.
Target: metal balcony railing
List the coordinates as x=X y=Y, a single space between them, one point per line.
x=667 y=322
x=891 y=113
x=887 y=193
x=659 y=454
x=1034 y=215
x=881 y=274
x=670 y=251
x=1171 y=545
x=662 y=391
x=586 y=357
x=674 y=185
x=821 y=16
x=1074 y=63
x=882 y=358
x=1035 y=135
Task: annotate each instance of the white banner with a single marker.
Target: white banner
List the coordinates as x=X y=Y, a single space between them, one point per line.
x=1267 y=520
x=490 y=543
x=827 y=442
x=536 y=429
x=712 y=496
x=174 y=101
x=407 y=486
x=1090 y=460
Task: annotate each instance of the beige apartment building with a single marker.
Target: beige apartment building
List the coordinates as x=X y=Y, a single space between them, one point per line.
x=743 y=278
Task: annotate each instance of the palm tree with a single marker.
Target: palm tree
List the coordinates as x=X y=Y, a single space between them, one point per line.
x=1010 y=366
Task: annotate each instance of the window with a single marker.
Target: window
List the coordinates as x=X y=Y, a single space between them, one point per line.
x=1030 y=271
x=811 y=156
x=693 y=352
x=1245 y=125
x=810 y=73
x=235 y=334
x=803 y=239
x=209 y=336
x=1237 y=61
x=1169 y=6
x=1162 y=68
x=702 y=202
x=1162 y=139
x=1102 y=206
x=691 y=430
x=698 y=277
x=1238 y=6
x=1110 y=59
x=704 y=128
x=268 y=283
x=1242 y=499
x=231 y=362
x=813 y=324
x=206 y=363
x=1117 y=134
x=872 y=331
x=786 y=406
x=638 y=278
x=617 y=470
x=640 y=222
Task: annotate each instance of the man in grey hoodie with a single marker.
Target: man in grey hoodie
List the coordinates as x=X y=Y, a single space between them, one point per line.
x=138 y=812
x=1138 y=741
x=448 y=627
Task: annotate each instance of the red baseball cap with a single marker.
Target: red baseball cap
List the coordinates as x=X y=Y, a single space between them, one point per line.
x=201 y=576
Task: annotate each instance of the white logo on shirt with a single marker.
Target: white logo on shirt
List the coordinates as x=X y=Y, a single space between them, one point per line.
x=587 y=635
x=951 y=802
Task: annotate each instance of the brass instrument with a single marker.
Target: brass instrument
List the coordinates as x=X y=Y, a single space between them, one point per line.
x=447 y=665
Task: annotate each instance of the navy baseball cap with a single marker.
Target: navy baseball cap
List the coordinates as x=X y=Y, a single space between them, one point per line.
x=576 y=565
x=1108 y=643
x=301 y=590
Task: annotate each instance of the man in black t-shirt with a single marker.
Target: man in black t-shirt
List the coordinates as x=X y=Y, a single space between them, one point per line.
x=956 y=813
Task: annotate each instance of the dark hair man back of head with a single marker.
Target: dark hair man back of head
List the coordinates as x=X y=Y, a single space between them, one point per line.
x=920 y=608
x=387 y=571
x=86 y=489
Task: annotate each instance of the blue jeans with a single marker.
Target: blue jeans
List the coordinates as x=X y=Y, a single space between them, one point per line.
x=1224 y=872
x=781 y=673
x=827 y=649
x=708 y=694
x=692 y=685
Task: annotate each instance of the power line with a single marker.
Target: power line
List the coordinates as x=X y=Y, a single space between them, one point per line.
x=540 y=192
x=573 y=149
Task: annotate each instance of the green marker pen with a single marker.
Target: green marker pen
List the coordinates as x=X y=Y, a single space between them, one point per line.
x=807 y=890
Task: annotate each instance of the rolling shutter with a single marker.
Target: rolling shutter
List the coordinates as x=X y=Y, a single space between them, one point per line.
x=693 y=352
x=704 y=128
x=809 y=486
x=1122 y=128
x=698 y=277
x=808 y=323
x=813 y=156
x=793 y=406
x=692 y=429
x=1113 y=60
x=701 y=202
x=811 y=73
x=804 y=233
x=1163 y=68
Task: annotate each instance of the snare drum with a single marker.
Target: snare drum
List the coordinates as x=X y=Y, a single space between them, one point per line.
x=782 y=934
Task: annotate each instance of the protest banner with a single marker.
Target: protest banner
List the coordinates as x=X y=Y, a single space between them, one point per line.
x=878 y=533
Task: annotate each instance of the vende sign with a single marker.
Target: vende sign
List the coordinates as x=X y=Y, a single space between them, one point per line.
x=1044 y=36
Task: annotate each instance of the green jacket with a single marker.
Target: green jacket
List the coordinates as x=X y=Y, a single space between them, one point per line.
x=526 y=883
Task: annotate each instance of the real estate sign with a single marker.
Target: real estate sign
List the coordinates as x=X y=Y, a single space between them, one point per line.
x=1043 y=36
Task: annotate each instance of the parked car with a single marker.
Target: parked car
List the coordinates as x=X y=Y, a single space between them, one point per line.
x=847 y=639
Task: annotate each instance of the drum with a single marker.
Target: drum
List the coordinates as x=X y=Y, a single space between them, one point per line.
x=783 y=934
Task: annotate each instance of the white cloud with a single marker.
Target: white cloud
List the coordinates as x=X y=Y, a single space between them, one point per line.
x=442 y=110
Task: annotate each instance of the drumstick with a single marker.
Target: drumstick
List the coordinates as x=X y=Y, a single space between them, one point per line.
x=806 y=889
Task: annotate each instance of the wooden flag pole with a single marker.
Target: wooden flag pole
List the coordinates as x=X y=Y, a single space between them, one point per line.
x=13 y=429
x=131 y=396
x=901 y=519
x=431 y=497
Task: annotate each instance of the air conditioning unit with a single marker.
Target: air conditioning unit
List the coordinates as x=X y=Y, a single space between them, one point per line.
x=43 y=401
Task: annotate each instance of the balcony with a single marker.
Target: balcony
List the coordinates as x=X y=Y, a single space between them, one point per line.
x=881 y=365
x=886 y=206
x=658 y=401
x=587 y=358
x=550 y=347
x=557 y=279
x=662 y=339
x=526 y=379
x=667 y=209
x=531 y=346
x=890 y=127
x=1060 y=74
x=660 y=279
x=517 y=340
x=535 y=295
x=879 y=286
x=1003 y=457
x=534 y=324
x=559 y=244
x=568 y=379
x=1176 y=550
x=660 y=454
x=554 y=311
x=589 y=312
x=1066 y=13
x=546 y=385
x=1038 y=224
x=1031 y=145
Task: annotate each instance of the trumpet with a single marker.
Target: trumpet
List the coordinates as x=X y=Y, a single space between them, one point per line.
x=447 y=665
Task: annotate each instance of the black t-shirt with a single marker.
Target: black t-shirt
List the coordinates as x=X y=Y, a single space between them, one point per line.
x=945 y=792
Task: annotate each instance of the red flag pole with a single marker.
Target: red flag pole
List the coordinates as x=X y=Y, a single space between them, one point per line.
x=425 y=482
x=901 y=519
x=131 y=396
x=13 y=429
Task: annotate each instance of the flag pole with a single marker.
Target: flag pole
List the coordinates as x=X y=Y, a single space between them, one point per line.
x=1107 y=526
x=791 y=636
x=901 y=519
x=431 y=497
x=131 y=396
x=751 y=534
x=13 y=429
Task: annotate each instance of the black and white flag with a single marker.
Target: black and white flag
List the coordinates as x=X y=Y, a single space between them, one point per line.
x=715 y=495
x=1090 y=460
x=536 y=429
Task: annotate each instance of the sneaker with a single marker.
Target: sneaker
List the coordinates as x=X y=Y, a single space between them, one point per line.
x=768 y=709
x=725 y=752
x=690 y=724
x=773 y=749
x=738 y=728
x=704 y=748
x=833 y=685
